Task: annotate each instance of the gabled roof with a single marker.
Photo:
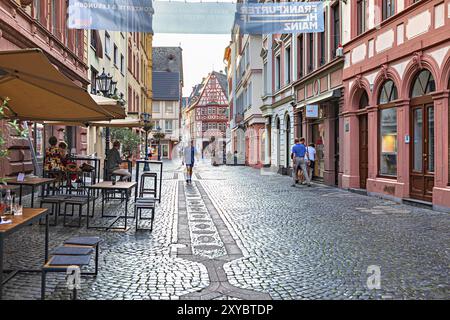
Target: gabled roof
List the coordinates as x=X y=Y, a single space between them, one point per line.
x=222 y=78
x=199 y=90
x=166 y=85
x=168 y=59
x=196 y=90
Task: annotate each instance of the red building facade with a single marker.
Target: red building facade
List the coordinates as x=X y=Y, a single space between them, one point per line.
x=42 y=24
x=395 y=122
x=207 y=112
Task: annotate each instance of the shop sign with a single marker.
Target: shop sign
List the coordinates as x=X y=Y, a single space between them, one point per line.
x=312 y=111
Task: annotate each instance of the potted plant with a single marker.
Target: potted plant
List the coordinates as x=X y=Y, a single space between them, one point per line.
x=3 y=149
x=14 y=124
x=129 y=139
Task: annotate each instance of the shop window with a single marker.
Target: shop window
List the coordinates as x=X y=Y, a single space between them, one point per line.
x=388 y=129
x=423 y=84
x=388 y=137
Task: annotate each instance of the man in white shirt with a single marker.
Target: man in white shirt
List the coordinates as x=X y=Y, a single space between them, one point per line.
x=189 y=155
x=310 y=158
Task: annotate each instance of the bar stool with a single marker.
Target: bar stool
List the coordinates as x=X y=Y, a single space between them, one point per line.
x=55 y=203
x=144 y=204
x=149 y=191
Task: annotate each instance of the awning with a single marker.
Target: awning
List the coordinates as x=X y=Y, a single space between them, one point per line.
x=119 y=123
x=66 y=123
x=37 y=91
x=110 y=105
x=334 y=94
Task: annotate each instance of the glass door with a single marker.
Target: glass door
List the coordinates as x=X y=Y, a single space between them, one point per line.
x=422 y=152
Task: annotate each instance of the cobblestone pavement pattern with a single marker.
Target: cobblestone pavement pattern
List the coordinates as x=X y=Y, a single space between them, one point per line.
x=294 y=243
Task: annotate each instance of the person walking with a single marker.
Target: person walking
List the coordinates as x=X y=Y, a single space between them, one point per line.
x=189 y=154
x=310 y=159
x=298 y=156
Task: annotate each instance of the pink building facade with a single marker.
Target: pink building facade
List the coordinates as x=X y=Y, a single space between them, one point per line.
x=395 y=120
x=42 y=24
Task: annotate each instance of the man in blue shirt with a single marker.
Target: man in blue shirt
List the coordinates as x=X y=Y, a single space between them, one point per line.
x=298 y=156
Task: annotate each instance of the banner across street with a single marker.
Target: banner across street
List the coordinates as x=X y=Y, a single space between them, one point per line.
x=196 y=17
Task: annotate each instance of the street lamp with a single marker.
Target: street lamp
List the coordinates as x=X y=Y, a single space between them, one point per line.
x=158 y=135
x=147 y=127
x=107 y=87
x=104 y=83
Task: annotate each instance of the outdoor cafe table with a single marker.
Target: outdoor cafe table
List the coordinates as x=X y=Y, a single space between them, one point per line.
x=32 y=182
x=120 y=186
x=29 y=215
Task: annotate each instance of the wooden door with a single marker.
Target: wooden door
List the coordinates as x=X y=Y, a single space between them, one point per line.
x=422 y=152
x=363 y=151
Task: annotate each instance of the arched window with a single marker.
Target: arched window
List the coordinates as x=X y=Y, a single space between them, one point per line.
x=387 y=130
x=388 y=92
x=364 y=100
x=423 y=84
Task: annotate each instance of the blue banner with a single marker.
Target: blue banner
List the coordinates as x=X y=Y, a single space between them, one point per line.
x=196 y=18
x=284 y=17
x=193 y=17
x=112 y=15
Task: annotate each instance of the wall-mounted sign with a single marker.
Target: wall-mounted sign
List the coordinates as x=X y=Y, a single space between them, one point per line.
x=312 y=111
x=347 y=126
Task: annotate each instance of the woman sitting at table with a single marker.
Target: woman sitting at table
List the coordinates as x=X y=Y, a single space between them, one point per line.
x=53 y=157
x=54 y=162
x=70 y=167
x=113 y=162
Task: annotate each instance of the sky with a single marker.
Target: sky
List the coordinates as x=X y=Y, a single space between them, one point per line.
x=202 y=53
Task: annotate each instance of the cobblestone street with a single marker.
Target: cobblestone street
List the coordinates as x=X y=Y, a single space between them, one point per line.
x=235 y=233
